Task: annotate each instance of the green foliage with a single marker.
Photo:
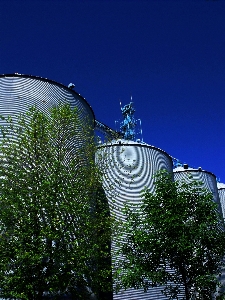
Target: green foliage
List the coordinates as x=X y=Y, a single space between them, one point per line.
x=52 y=208
x=175 y=238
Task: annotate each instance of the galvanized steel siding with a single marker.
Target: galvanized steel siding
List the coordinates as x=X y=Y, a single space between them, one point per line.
x=130 y=168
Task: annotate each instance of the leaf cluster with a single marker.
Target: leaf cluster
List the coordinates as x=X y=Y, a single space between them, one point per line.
x=175 y=238
x=52 y=208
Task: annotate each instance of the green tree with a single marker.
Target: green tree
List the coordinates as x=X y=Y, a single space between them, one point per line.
x=175 y=239
x=53 y=209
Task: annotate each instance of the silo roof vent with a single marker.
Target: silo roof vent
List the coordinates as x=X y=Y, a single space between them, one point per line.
x=71 y=86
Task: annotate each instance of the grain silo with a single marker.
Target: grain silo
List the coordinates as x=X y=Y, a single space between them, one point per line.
x=208 y=180
x=221 y=192
x=19 y=92
x=129 y=167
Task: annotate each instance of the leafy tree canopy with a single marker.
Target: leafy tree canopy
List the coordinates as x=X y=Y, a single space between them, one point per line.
x=53 y=210
x=175 y=239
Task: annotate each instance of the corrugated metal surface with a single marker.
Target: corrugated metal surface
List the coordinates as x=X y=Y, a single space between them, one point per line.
x=130 y=168
x=207 y=178
x=221 y=193
x=19 y=92
x=132 y=294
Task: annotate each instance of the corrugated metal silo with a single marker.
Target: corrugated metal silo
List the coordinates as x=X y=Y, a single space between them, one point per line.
x=129 y=168
x=208 y=180
x=221 y=192
x=19 y=92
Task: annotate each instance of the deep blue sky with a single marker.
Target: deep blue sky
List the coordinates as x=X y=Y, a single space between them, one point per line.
x=170 y=55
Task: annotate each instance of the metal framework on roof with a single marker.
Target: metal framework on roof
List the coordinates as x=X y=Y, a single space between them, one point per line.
x=128 y=125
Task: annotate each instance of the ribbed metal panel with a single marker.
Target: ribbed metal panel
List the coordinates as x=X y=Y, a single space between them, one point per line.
x=207 y=178
x=130 y=167
x=19 y=92
x=209 y=182
x=139 y=294
x=221 y=193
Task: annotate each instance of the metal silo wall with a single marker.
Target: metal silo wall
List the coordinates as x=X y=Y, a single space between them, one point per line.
x=221 y=193
x=208 y=180
x=129 y=168
x=19 y=92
